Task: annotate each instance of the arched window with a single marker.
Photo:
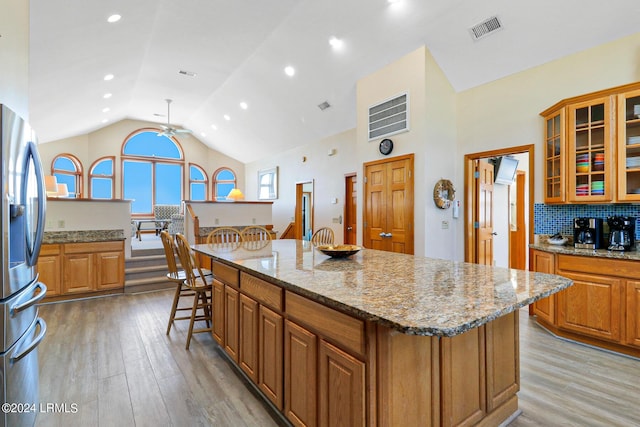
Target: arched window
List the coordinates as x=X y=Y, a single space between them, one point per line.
x=152 y=171
x=224 y=180
x=68 y=170
x=101 y=179
x=197 y=183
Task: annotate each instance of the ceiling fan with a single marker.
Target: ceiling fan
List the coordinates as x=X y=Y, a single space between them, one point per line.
x=169 y=130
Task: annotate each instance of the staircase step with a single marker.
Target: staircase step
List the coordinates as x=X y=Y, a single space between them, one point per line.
x=146 y=260
x=147 y=284
x=146 y=252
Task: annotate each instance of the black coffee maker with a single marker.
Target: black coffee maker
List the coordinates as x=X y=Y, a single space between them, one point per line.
x=622 y=233
x=587 y=233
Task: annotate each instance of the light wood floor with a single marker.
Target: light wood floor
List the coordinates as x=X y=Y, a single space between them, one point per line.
x=111 y=357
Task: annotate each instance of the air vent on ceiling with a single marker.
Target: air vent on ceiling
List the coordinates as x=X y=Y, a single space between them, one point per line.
x=389 y=117
x=323 y=106
x=187 y=73
x=483 y=29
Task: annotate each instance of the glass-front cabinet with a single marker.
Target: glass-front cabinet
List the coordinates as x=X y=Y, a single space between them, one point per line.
x=590 y=148
x=554 y=158
x=629 y=146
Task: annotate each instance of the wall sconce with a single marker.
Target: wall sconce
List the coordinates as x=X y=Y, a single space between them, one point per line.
x=235 y=195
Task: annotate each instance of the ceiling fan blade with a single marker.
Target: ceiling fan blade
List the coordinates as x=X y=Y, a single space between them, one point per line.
x=183 y=131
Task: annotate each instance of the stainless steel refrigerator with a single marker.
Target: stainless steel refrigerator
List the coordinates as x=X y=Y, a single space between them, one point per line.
x=22 y=227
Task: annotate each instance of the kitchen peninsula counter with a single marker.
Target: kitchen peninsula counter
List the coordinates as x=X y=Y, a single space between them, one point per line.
x=420 y=341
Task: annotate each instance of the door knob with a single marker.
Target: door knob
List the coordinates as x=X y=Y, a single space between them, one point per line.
x=382 y=234
x=349 y=228
x=494 y=234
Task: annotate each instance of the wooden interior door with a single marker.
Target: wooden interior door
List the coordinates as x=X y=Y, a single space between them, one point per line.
x=350 y=209
x=484 y=189
x=517 y=236
x=388 y=204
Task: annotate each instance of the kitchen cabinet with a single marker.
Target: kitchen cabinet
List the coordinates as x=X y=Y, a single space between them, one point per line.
x=633 y=313
x=271 y=355
x=544 y=262
x=248 y=337
x=300 y=362
x=629 y=146
x=49 y=268
x=592 y=147
x=218 y=302
x=232 y=329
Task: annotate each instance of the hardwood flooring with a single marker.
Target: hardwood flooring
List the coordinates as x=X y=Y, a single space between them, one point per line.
x=110 y=356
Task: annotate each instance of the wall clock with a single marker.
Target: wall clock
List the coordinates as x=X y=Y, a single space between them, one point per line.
x=444 y=194
x=386 y=146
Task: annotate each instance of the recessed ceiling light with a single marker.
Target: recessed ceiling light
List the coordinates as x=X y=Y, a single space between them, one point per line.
x=106 y=96
x=289 y=71
x=106 y=110
x=105 y=120
x=336 y=43
x=226 y=117
x=113 y=18
x=214 y=127
x=394 y=1
x=244 y=105
x=109 y=77
x=203 y=134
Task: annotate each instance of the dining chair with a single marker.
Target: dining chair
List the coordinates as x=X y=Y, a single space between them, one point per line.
x=323 y=236
x=255 y=237
x=178 y=276
x=225 y=238
x=199 y=284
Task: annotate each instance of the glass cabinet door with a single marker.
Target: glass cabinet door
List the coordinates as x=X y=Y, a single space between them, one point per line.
x=590 y=151
x=629 y=146
x=554 y=158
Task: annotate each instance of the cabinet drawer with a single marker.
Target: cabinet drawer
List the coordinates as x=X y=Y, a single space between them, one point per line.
x=224 y=273
x=263 y=292
x=343 y=329
x=601 y=266
x=77 y=248
x=49 y=250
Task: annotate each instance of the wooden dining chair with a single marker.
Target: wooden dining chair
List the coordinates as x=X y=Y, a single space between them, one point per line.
x=225 y=238
x=255 y=237
x=199 y=284
x=178 y=276
x=323 y=236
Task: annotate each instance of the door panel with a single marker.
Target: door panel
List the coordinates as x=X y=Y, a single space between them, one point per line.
x=484 y=188
x=350 y=216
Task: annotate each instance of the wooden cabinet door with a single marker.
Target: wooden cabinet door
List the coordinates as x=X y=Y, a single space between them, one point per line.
x=503 y=359
x=300 y=379
x=628 y=136
x=633 y=313
x=49 y=269
x=217 y=329
x=342 y=388
x=388 y=205
x=231 y=330
x=545 y=308
x=463 y=373
x=271 y=356
x=592 y=306
x=109 y=270
x=554 y=157
x=248 y=337
x=484 y=206
x=78 y=273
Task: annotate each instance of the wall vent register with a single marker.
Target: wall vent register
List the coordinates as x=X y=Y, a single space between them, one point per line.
x=389 y=117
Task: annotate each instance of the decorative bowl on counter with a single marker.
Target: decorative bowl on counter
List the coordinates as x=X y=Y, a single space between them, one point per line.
x=338 y=251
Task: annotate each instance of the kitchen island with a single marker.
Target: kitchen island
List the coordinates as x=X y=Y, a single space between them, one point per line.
x=378 y=338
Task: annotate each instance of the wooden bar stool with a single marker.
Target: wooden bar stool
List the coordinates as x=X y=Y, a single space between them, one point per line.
x=178 y=277
x=199 y=284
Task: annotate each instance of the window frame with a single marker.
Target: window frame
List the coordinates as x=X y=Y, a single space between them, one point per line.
x=111 y=177
x=195 y=181
x=78 y=174
x=215 y=181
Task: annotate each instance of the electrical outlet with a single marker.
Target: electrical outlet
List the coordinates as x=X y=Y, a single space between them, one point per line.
x=61 y=223
x=445 y=225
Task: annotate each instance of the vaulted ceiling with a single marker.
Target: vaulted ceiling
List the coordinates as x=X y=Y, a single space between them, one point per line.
x=238 y=51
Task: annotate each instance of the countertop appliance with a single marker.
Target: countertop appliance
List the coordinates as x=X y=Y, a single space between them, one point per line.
x=622 y=233
x=22 y=228
x=587 y=233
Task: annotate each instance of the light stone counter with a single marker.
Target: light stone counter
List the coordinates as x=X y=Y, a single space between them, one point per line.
x=82 y=236
x=598 y=253
x=415 y=295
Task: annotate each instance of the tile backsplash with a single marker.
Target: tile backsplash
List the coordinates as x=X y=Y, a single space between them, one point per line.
x=552 y=219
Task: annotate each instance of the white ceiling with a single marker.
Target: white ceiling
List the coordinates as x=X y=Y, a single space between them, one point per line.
x=239 y=48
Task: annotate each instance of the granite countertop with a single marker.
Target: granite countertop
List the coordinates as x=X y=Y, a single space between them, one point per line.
x=82 y=236
x=598 y=253
x=415 y=295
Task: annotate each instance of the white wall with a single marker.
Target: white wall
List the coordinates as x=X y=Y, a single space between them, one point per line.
x=14 y=56
x=108 y=142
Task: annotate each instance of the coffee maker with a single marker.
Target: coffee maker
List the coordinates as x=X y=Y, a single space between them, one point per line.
x=622 y=231
x=587 y=233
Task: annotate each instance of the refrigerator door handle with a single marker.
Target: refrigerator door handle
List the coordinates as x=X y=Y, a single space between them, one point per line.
x=32 y=153
x=15 y=309
x=43 y=330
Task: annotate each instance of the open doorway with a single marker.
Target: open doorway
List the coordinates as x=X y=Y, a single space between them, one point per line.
x=509 y=248
x=304 y=210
